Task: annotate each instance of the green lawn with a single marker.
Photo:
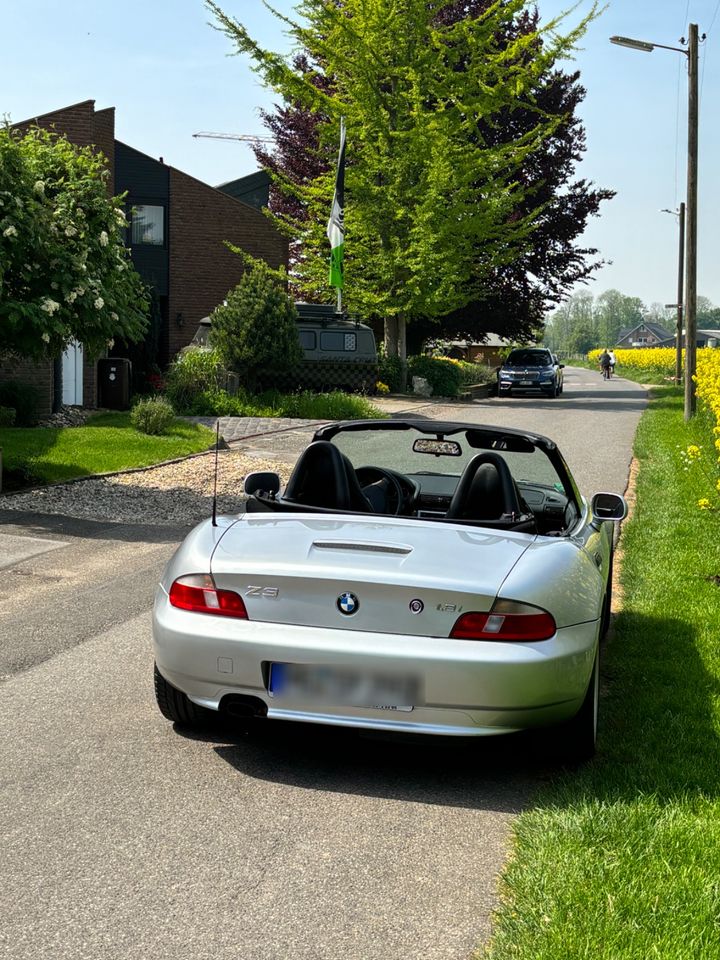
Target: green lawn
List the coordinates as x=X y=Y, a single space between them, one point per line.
x=108 y=442
x=621 y=859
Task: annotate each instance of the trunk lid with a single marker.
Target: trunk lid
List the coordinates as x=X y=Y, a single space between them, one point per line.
x=403 y=576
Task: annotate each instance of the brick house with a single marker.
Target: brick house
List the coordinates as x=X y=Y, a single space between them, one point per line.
x=177 y=233
x=645 y=334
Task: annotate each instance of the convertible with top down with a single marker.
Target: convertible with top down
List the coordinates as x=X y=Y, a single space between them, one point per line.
x=412 y=576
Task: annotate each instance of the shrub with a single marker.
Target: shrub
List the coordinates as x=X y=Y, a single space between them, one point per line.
x=390 y=371
x=153 y=416
x=23 y=398
x=382 y=389
x=443 y=374
x=255 y=330
x=7 y=416
x=192 y=374
x=475 y=372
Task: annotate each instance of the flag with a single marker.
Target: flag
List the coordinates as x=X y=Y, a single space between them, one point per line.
x=336 y=223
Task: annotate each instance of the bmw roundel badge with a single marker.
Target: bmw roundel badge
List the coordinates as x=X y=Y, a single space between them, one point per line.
x=348 y=603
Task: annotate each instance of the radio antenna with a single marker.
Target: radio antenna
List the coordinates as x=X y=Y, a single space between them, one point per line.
x=217 y=446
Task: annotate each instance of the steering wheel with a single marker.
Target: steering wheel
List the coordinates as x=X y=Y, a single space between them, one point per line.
x=383 y=489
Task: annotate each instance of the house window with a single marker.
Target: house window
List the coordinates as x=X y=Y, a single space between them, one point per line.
x=148 y=225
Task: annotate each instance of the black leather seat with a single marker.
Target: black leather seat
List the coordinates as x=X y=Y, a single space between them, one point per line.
x=485 y=491
x=324 y=477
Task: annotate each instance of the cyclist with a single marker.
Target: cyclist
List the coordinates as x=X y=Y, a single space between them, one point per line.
x=613 y=361
x=605 y=364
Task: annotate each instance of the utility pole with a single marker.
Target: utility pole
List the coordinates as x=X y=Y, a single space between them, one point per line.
x=680 y=295
x=692 y=196
x=691 y=243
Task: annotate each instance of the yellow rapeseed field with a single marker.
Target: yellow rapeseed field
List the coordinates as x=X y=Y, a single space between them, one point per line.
x=662 y=360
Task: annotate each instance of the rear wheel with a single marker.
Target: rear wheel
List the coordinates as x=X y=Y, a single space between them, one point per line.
x=175 y=706
x=578 y=736
x=607 y=602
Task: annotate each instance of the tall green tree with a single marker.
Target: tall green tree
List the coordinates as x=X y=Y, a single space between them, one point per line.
x=432 y=207
x=65 y=273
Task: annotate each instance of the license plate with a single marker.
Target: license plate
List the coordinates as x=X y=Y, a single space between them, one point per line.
x=343 y=686
x=526 y=383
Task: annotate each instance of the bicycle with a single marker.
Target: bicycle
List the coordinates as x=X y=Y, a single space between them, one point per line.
x=607 y=372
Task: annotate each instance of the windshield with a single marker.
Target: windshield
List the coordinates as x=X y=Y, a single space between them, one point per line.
x=528 y=358
x=393 y=450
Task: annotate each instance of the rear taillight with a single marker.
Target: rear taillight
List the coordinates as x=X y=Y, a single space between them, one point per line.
x=508 y=620
x=197 y=592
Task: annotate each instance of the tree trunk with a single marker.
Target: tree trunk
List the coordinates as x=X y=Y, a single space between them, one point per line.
x=395 y=340
x=402 y=352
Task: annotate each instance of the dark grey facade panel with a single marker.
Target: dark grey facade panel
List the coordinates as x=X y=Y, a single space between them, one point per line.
x=146 y=181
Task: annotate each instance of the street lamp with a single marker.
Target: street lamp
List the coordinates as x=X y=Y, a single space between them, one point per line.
x=680 y=214
x=692 y=193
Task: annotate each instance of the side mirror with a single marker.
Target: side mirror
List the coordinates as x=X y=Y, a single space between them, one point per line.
x=609 y=506
x=266 y=483
x=561 y=365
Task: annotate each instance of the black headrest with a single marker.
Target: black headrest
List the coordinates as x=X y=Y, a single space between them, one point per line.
x=324 y=477
x=485 y=490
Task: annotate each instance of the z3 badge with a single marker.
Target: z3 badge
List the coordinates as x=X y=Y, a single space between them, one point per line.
x=270 y=593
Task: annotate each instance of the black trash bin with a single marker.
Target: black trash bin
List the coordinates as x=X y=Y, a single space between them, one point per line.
x=114 y=378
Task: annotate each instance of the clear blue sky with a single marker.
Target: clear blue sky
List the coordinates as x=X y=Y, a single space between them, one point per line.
x=168 y=74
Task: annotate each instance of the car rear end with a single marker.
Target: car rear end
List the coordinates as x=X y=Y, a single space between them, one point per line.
x=382 y=624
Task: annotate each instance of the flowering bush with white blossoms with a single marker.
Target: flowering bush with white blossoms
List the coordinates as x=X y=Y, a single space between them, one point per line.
x=65 y=273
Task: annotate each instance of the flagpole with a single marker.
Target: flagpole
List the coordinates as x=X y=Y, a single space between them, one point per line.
x=336 y=225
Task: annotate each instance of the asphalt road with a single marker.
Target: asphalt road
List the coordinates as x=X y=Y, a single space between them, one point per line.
x=122 y=838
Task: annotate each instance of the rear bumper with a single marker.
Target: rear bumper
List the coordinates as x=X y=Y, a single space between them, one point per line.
x=466 y=687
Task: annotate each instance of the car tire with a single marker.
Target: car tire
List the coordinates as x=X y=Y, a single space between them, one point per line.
x=607 y=603
x=175 y=706
x=579 y=734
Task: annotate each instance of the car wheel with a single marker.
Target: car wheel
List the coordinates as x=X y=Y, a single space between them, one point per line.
x=579 y=735
x=607 y=602
x=175 y=706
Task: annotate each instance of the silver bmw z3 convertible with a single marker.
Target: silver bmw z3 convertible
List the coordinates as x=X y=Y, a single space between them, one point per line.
x=413 y=575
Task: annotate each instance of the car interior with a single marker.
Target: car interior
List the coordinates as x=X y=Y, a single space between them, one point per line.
x=484 y=493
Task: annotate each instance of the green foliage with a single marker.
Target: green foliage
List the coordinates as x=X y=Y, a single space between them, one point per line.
x=390 y=371
x=23 y=398
x=191 y=375
x=444 y=376
x=255 y=331
x=305 y=405
x=431 y=209
x=152 y=416
x=7 y=416
x=585 y=322
x=475 y=373
x=65 y=273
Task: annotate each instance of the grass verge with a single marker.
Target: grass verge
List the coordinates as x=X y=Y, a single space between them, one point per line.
x=621 y=859
x=107 y=442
